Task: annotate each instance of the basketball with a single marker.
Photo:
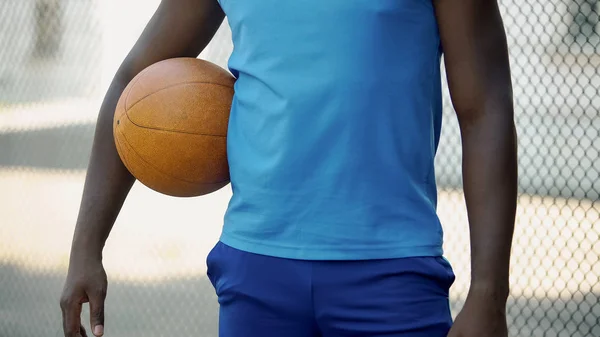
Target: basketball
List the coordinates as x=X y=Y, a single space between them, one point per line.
x=170 y=126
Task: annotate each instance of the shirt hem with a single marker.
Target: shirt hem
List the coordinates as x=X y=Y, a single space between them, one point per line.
x=330 y=253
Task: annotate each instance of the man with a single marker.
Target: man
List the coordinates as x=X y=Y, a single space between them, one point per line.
x=331 y=229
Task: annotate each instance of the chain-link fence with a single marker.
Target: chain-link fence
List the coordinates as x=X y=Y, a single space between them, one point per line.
x=55 y=64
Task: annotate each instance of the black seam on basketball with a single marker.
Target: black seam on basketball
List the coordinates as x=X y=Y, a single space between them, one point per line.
x=146 y=162
x=120 y=150
x=174 y=85
x=175 y=131
x=126 y=147
x=159 y=170
x=139 y=76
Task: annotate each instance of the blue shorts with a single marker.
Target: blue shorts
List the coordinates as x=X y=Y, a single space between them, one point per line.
x=263 y=296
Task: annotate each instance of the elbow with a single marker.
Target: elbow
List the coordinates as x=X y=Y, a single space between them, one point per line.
x=499 y=112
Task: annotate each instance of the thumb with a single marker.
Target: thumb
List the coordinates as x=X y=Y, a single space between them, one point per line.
x=97 y=314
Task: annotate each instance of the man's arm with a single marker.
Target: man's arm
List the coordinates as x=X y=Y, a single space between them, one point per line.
x=179 y=28
x=476 y=58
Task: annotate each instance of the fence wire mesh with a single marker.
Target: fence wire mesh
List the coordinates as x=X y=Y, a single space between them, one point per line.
x=55 y=64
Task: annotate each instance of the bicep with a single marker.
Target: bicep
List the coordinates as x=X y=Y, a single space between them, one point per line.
x=178 y=28
x=475 y=53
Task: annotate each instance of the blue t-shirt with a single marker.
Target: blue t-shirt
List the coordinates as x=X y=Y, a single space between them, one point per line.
x=334 y=127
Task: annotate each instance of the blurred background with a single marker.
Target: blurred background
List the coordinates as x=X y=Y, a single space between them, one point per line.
x=56 y=61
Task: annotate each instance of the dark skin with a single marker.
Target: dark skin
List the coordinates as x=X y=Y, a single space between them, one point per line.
x=476 y=59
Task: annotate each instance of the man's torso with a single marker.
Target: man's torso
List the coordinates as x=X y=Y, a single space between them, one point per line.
x=333 y=129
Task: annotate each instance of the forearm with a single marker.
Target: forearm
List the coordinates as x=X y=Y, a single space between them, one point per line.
x=179 y=28
x=490 y=185
x=107 y=182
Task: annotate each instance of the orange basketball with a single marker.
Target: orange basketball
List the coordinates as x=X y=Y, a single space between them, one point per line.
x=170 y=126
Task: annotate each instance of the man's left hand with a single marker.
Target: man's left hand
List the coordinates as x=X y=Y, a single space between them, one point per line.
x=483 y=315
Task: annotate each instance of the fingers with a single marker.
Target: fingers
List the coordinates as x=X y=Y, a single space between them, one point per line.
x=71 y=313
x=97 y=313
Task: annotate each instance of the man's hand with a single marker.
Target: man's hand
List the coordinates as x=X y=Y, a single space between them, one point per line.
x=86 y=282
x=483 y=315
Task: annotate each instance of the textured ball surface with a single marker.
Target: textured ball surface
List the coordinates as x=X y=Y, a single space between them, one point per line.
x=170 y=126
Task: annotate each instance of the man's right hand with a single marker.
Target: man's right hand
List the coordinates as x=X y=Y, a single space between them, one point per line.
x=86 y=282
